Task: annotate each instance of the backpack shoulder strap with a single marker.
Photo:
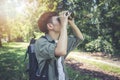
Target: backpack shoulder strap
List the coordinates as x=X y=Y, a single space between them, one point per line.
x=26 y=55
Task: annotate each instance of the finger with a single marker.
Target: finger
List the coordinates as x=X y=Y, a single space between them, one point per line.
x=64 y=13
x=68 y=14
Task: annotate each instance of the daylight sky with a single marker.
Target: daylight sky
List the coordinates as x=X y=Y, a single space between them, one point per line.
x=11 y=8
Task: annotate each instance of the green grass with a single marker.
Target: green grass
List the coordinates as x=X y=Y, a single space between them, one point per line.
x=106 y=67
x=102 y=66
x=12 y=66
x=11 y=61
x=76 y=75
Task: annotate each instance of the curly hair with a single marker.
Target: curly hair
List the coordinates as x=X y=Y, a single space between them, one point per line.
x=44 y=19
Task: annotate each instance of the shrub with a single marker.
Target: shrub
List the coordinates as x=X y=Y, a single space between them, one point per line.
x=99 y=45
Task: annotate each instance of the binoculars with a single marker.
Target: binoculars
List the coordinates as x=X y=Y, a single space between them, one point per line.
x=71 y=15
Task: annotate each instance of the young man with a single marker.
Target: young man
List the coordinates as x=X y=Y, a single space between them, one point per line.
x=56 y=44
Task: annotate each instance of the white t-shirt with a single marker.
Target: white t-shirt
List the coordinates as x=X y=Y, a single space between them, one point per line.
x=61 y=74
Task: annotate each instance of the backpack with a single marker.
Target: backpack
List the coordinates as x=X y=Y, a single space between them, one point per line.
x=33 y=71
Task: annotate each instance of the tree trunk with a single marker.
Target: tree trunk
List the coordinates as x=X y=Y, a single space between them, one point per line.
x=0 y=39
x=9 y=36
x=0 y=43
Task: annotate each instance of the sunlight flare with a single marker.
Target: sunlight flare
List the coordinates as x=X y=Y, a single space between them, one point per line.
x=11 y=8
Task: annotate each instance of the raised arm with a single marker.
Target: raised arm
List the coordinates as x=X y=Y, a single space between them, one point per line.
x=61 y=48
x=76 y=29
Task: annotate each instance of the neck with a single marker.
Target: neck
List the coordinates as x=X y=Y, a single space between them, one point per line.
x=54 y=35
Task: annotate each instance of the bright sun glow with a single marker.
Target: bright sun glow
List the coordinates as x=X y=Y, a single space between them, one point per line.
x=11 y=8
x=20 y=9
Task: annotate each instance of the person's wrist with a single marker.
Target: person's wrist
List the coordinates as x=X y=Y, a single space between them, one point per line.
x=72 y=23
x=64 y=24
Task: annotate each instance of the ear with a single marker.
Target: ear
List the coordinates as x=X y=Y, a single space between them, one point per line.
x=50 y=26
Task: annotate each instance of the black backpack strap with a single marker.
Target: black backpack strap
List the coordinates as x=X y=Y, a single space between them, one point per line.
x=44 y=73
x=25 y=57
x=56 y=70
x=26 y=54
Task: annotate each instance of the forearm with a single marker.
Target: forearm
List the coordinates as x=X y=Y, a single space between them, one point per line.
x=76 y=31
x=62 y=43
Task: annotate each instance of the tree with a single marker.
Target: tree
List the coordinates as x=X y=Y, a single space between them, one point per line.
x=99 y=21
x=2 y=22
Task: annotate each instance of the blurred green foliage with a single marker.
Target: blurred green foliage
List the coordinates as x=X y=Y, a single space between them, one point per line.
x=98 y=20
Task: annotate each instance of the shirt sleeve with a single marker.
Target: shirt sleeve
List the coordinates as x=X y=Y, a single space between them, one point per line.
x=46 y=50
x=73 y=42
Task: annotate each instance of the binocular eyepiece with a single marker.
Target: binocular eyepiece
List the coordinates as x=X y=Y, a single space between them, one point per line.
x=71 y=15
x=66 y=6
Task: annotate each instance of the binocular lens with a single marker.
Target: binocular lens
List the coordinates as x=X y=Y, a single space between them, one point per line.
x=67 y=13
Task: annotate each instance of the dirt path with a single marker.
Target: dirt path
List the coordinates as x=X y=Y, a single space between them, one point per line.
x=96 y=59
x=91 y=70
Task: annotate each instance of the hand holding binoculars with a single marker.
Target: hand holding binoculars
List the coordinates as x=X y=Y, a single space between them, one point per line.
x=71 y=15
